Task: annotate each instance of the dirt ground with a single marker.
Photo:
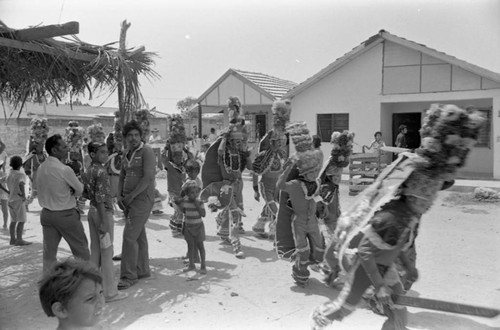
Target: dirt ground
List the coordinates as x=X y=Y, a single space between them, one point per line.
x=458 y=259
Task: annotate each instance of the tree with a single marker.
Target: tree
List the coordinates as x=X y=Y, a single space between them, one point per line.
x=184 y=105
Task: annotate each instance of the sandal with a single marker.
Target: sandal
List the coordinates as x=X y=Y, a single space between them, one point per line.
x=116 y=297
x=125 y=283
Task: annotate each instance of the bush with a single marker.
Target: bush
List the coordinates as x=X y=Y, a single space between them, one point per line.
x=486 y=194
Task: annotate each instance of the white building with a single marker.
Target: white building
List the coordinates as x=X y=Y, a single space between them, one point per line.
x=387 y=81
x=256 y=91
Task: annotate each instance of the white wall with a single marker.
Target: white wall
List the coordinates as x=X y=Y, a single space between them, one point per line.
x=354 y=89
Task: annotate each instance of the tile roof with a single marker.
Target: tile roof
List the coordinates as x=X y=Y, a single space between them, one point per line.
x=275 y=86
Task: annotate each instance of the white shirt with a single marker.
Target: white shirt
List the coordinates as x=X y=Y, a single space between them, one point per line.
x=54 y=183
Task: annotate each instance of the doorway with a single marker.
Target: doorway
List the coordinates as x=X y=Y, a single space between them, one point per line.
x=260 y=126
x=413 y=121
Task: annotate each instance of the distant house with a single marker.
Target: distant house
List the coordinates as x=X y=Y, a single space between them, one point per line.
x=17 y=131
x=256 y=91
x=387 y=81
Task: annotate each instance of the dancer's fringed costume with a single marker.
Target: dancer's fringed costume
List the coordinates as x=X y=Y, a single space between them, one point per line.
x=174 y=157
x=36 y=152
x=74 y=140
x=272 y=153
x=226 y=158
x=371 y=235
x=303 y=193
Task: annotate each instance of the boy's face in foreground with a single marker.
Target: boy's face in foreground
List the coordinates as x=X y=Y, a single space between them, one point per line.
x=85 y=307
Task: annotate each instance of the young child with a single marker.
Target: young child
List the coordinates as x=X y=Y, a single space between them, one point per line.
x=72 y=292
x=193 y=227
x=100 y=218
x=192 y=170
x=17 y=201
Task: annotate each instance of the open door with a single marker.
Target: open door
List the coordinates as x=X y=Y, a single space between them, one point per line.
x=260 y=126
x=412 y=120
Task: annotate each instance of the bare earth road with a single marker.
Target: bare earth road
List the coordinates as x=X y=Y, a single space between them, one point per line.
x=458 y=259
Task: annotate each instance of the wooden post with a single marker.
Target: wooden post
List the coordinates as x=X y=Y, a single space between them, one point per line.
x=122 y=106
x=199 y=121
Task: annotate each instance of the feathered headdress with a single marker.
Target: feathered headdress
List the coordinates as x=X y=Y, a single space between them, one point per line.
x=281 y=113
x=341 y=148
x=308 y=159
x=39 y=129
x=177 y=130
x=142 y=117
x=74 y=136
x=96 y=133
x=448 y=134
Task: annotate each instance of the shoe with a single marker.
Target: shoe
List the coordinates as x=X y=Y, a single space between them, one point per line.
x=12 y=242
x=144 y=276
x=239 y=254
x=116 y=297
x=157 y=212
x=203 y=271
x=21 y=242
x=259 y=227
x=125 y=283
x=118 y=257
x=188 y=269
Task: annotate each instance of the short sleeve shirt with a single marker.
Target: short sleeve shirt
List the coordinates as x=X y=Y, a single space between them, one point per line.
x=13 y=181
x=97 y=186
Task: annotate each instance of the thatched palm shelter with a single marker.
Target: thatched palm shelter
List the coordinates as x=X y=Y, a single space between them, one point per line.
x=35 y=66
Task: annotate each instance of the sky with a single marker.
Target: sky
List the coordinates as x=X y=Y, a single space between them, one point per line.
x=197 y=41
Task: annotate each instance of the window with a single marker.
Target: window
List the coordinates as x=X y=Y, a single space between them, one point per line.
x=331 y=122
x=484 y=139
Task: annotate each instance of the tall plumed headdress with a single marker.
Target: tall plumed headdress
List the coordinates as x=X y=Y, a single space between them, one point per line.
x=96 y=133
x=74 y=136
x=448 y=134
x=281 y=111
x=39 y=129
x=341 y=148
x=142 y=117
x=235 y=113
x=308 y=159
x=178 y=138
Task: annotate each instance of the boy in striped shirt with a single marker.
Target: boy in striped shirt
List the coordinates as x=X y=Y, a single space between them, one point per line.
x=193 y=227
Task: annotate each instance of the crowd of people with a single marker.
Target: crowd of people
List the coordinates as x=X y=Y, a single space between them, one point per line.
x=364 y=250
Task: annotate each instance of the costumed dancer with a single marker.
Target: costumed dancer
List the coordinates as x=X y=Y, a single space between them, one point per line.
x=36 y=153
x=226 y=158
x=272 y=153
x=303 y=194
x=142 y=117
x=173 y=157
x=330 y=176
x=381 y=225
x=114 y=142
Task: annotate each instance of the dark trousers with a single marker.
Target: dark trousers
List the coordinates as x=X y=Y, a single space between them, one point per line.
x=135 y=254
x=62 y=224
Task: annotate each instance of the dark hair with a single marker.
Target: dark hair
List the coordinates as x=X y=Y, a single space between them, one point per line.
x=52 y=142
x=192 y=165
x=212 y=130
x=316 y=141
x=131 y=125
x=93 y=147
x=63 y=280
x=402 y=127
x=377 y=132
x=16 y=162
